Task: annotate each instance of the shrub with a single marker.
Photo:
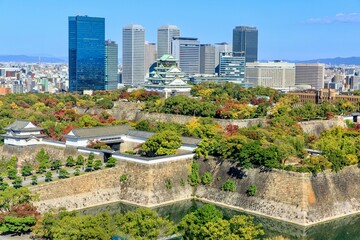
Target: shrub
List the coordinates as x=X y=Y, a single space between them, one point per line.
x=229 y=185
x=131 y=152
x=251 y=190
x=111 y=162
x=34 y=180
x=63 y=174
x=124 y=178
x=194 y=177
x=207 y=178
x=168 y=183
x=48 y=176
x=77 y=171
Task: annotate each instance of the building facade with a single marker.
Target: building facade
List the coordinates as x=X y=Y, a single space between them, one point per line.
x=310 y=73
x=271 y=74
x=245 y=39
x=165 y=35
x=133 y=73
x=150 y=56
x=86 y=53
x=232 y=64
x=219 y=48
x=111 y=65
x=207 y=59
x=187 y=51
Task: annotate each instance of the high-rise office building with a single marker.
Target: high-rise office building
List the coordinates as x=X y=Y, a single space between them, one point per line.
x=150 y=56
x=86 y=53
x=311 y=74
x=133 y=55
x=165 y=35
x=271 y=74
x=187 y=51
x=111 y=65
x=207 y=59
x=232 y=64
x=245 y=39
x=219 y=48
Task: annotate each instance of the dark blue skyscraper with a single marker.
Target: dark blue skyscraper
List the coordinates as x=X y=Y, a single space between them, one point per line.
x=86 y=53
x=245 y=39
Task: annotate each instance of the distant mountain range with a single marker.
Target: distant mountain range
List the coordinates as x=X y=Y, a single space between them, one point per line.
x=330 y=61
x=36 y=59
x=31 y=59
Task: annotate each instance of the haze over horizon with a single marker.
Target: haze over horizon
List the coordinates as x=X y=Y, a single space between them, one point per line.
x=287 y=30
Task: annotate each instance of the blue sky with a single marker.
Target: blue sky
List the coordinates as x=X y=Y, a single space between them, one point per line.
x=288 y=29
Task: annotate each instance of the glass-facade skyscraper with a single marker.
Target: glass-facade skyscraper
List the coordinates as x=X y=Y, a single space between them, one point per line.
x=86 y=53
x=165 y=35
x=111 y=65
x=232 y=64
x=133 y=55
x=245 y=39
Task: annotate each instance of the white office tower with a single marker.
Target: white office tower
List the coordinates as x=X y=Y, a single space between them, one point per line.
x=276 y=74
x=165 y=35
x=133 y=55
x=311 y=74
x=187 y=51
x=207 y=59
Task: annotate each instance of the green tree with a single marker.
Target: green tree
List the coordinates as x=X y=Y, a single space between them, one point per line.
x=12 y=174
x=144 y=223
x=162 y=143
x=3 y=185
x=17 y=182
x=244 y=227
x=111 y=162
x=14 y=196
x=70 y=162
x=55 y=165
x=43 y=160
x=63 y=174
x=77 y=171
x=80 y=160
x=48 y=176
x=190 y=226
x=26 y=170
x=34 y=180
x=17 y=225
x=97 y=164
x=89 y=165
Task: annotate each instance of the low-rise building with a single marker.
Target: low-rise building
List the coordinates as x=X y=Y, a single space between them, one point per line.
x=23 y=133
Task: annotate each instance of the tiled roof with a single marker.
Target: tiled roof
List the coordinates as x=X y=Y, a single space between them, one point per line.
x=146 y=135
x=100 y=131
x=20 y=125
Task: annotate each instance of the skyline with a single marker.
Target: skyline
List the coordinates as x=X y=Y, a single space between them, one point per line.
x=291 y=30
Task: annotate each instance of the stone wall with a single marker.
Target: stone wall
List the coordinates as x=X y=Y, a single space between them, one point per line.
x=145 y=186
x=28 y=153
x=132 y=111
x=299 y=198
x=317 y=126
